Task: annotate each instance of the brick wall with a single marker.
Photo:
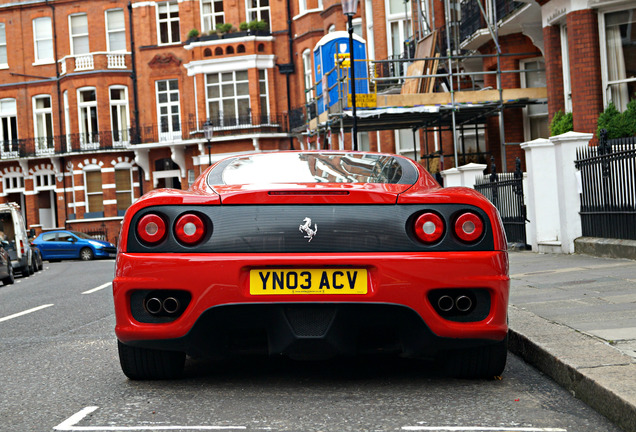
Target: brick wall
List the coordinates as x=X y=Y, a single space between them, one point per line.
x=585 y=69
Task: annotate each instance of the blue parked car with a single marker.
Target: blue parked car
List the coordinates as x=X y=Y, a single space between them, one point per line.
x=57 y=245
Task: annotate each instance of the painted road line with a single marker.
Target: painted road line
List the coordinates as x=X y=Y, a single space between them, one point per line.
x=69 y=425
x=481 y=429
x=101 y=287
x=19 y=314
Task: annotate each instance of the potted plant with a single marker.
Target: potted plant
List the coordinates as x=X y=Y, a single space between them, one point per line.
x=193 y=34
x=258 y=28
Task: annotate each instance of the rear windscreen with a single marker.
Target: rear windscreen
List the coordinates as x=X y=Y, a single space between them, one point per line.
x=313 y=167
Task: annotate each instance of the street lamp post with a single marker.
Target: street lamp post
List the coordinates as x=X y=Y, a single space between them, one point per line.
x=208 y=131
x=349 y=9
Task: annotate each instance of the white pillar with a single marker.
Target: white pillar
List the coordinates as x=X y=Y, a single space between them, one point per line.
x=452 y=177
x=565 y=146
x=470 y=172
x=543 y=201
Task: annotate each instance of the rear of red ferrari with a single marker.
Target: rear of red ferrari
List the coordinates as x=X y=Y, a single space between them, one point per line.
x=362 y=253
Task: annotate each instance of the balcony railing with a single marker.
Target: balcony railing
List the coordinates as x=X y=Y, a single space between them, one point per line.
x=127 y=138
x=473 y=19
x=94 y=61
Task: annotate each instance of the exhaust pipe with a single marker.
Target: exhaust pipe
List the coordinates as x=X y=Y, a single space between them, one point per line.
x=171 y=305
x=463 y=303
x=445 y=303
x=153 y=305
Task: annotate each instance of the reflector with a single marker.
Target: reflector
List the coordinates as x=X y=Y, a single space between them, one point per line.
x=151 y=228
x=429 y=227
x=189 y=229
x=469 y=227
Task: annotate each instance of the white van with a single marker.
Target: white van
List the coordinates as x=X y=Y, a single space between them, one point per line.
x=13 y=231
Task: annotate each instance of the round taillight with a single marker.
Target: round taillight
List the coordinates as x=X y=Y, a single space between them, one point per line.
x=189 y=229
x=151 y=228
x=469 y=227
x=429 y=227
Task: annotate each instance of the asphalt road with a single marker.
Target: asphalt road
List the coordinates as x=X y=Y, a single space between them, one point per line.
x=60 y=371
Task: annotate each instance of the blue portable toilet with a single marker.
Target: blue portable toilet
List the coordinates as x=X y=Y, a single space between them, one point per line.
x=325 y=59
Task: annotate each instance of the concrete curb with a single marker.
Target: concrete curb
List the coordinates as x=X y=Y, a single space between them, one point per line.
x=603 y=247
x=593 y=371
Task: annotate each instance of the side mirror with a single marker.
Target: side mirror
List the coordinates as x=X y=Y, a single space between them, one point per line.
x=4 y=243
x=72 y=239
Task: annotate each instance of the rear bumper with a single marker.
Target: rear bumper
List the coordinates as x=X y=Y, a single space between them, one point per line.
x=396 y=308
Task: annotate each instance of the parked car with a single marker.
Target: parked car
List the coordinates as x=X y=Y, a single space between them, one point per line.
x=36 y=260
x=13 y=231
x=64 y=244
x=6 y=269
x=312 y=255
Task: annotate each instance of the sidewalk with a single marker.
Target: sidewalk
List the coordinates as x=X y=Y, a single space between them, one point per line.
x=574 y=318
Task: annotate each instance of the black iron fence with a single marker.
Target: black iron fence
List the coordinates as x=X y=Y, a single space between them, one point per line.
x=505 y=191
x=608 y=188
x=166 y=132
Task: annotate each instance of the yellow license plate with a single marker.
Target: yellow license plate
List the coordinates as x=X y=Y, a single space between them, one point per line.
x=308 y=281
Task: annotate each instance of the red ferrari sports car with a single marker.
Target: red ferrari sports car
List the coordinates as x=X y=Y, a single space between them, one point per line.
x=312 y=254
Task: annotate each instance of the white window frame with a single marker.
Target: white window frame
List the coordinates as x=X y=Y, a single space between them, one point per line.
x=168 y=21
x=264 y=80
x=73 y=37
x=235 y=97
x=527 y=130
x=256 y=13
x=44 y=180
x=403 y=21
x=87 y=169
x=36 y=41
x=406 y=149
x=8 y=149
x=89 y=138
x=113 y=31
x=13 y=183
x=42 y=140
x=3 y=46
x=67 y=120
x=565 y=61
x=603 y=51
x=211 y=19
x=357 y=27
x=302 y=6
x=118 y=104
x=308 y=75
x=171 y=133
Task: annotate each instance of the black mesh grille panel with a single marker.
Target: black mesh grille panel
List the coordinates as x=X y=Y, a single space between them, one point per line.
x=310 y=322
x=310 y=229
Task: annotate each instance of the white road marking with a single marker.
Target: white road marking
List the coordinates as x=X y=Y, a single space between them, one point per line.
x=480 y=429
x=69 y=425
x=91 y=291
x=19 y=314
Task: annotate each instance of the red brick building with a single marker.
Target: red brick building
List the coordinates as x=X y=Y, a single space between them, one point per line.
x=102 y=101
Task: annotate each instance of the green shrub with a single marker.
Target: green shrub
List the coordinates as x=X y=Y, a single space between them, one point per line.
x=194 y=33
x=561 y=123
x=629 y=117
x=224 y=28
x=616 y=124
x=243 y=26
x=257 y=25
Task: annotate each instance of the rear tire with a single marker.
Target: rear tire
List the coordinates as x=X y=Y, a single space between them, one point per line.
x=148 y=364
x=478 y=362
x=9 y=279
x=86 y=254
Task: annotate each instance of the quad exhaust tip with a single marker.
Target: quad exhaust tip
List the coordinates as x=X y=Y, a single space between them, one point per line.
x=168 y=306
x=454 y=303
